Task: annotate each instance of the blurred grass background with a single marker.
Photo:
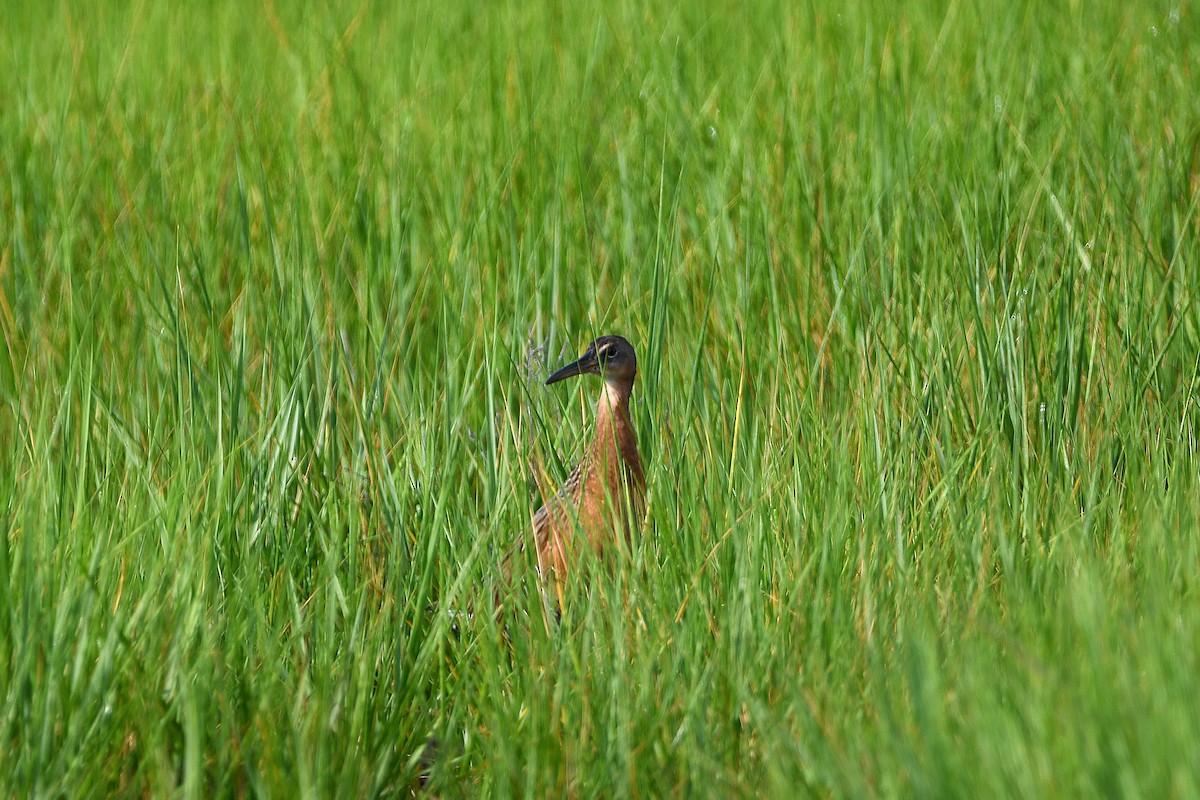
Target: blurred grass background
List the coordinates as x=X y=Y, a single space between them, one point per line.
x=913 y=288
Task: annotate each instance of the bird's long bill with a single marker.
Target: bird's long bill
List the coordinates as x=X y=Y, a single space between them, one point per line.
x=586 y=364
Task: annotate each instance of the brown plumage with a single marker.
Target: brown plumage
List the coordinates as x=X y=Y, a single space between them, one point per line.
x=603 y=500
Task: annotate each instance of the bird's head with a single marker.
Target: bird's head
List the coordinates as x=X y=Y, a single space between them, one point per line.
x=610 y=357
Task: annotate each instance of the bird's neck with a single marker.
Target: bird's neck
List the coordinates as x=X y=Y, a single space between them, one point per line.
x=614 y=402
x=615 y=440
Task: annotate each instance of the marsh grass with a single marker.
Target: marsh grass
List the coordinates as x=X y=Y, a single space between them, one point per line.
x=914 y=295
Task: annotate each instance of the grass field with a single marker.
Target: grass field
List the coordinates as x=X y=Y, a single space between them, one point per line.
x=914 y=292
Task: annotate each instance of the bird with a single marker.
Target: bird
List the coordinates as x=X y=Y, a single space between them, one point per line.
x=603 y=499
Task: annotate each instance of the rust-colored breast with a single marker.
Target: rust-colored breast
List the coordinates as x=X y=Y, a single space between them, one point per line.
x=603 y=499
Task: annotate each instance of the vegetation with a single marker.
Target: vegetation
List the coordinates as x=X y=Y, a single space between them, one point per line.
x=913 y=289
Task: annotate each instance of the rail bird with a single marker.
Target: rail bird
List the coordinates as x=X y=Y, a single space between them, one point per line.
x=603 y=499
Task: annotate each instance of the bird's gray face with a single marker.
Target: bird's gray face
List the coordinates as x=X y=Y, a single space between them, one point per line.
x=610 y=357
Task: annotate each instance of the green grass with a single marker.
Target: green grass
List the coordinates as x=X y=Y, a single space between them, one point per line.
x=914 y=291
